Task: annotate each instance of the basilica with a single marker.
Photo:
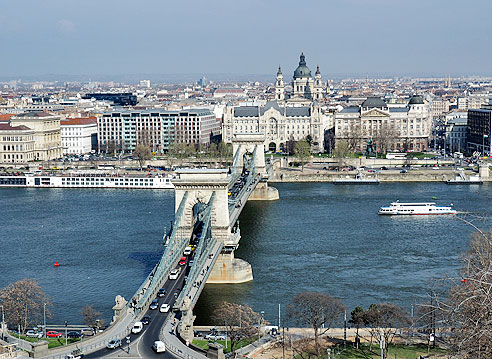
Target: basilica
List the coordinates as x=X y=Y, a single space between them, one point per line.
x=292 y=116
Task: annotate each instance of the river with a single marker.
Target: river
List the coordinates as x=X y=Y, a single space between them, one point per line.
x=317 y=237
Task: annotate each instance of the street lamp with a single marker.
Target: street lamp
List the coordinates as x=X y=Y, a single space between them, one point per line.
x=44 y=320
x=66 y=332
x=3 y=322
x=128 y=344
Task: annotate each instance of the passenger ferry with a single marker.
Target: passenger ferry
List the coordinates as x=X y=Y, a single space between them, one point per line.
x=76 y=180
x=429 y=208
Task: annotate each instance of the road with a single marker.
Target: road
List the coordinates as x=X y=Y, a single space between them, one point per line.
x=141 y=344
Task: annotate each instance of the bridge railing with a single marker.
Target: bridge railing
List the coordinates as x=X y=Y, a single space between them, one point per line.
x=201 y=252
x=174 y=249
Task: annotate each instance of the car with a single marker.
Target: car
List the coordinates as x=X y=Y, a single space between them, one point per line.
x=190 y=262
x=137 y=327
x=154 y=305
x=215 y=336
x=159 y=347
x=34 y=334
x=182 y=261
x=74 y=356
x=174 y=274
x=114 y=343
x=53 y=334
x=161 y=293
x=164 y=308
x=187 y=251
x=87 y=332
x=403 y=171
x=146 y=319
x=74 y=335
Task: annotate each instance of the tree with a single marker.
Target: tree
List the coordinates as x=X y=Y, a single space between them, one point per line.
x=239 y=320
x=469 y=304
x=386 y=135
x=290 y=145
x=91 y=316
x=355 y=137
x=385 y=320
x=23 y=303
x=341 y=150
x=316 y=310
x=357 y=319
x=302 y=151
x=111 y=147
x=142 y=153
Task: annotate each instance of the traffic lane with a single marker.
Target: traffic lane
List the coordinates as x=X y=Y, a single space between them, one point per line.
x=152 y=333
x=156 y=324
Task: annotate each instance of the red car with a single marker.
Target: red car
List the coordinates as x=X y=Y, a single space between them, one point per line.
x=182 y=261
x=53 y=334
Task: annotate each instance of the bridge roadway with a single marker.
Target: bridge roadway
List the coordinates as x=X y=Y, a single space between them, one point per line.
x=141 y=344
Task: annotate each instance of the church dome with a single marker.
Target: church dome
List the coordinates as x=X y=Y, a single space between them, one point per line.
x=302 y=70
x=416 y=100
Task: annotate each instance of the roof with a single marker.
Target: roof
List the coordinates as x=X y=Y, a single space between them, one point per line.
x=374 y=102
x=233 y=90
x=5 y=118
x=302 y=70
x=7 y=127
x=34 y=114
x=79 y=121
x=350 y=109
x=252 y=111
x=398 y=109
x=416 y=100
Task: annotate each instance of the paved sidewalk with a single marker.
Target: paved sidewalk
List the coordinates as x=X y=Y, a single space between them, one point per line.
x=255 y=345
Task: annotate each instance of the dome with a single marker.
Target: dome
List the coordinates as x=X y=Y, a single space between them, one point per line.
x=372 y=102
x=416 y=100
x=302 y=70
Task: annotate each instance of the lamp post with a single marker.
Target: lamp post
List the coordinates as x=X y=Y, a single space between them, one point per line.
x=3 y=322
x=44 y=320
x=128 y=344
x=66 y=332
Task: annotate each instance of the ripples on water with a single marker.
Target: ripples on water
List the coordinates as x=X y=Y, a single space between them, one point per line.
x=318 y=237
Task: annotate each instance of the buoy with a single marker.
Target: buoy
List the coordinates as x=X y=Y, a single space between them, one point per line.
x=56 y=264
x=463 y=280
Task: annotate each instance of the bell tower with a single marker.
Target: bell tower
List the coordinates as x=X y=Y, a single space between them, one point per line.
x=318 y=85
x=279 y=86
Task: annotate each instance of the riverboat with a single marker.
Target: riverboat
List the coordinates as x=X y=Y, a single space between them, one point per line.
x=425 y=208
x=86 y=181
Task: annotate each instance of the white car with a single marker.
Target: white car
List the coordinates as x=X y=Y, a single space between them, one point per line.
x=164 y=308
x=137 y=327
x=174 y=274
x=187 y=251
x=33 y=334
x=159 y=346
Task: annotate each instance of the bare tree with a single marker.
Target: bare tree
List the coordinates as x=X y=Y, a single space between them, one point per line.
x=302 y=151
x=23 y=303
x=468 y=307
x=341 y=150
x=239 y=320
x=142 y=153
x=385 y=320
x=386 y=136
x=354 y=137
x=91 y=316
x=317 y=310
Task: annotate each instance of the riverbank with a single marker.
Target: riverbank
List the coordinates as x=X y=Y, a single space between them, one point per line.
x=288 y=175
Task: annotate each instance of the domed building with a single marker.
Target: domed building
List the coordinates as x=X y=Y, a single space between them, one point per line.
x=304 y=87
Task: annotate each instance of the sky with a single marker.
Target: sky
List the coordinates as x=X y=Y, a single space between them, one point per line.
x=117 y=37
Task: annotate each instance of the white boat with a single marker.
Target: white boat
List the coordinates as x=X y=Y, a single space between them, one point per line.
x=425 y=208
x=461 y=179
x=86 y=181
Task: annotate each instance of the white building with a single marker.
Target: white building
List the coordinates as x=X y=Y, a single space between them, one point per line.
x=402 y=128
x=456 y=133
x=78 y=135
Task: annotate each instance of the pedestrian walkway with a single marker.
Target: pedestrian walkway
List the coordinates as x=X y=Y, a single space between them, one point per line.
x=255 y=345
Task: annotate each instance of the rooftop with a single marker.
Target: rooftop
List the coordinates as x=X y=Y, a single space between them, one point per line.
x=79 y=121
x=7 y=127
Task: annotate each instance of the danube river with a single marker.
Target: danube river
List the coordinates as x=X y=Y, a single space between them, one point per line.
x=317 y=237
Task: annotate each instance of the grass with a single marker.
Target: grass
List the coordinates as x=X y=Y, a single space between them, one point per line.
x=397 y=352
x=203 y=344
x=52 y=342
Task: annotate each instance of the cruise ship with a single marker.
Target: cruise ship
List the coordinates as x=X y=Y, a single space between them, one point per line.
x=426 y=208
x=86 y=181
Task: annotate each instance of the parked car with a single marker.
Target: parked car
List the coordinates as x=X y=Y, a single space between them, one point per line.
x=154 y=305
x=87 y=332
x=74 y=356
x=74 y=335
x=174 y=274
x=182 y=261
x=161 y=293
x=164 y=308
x=34 y=334
x=146 y=319
x=187 y=251
x=53 y=334
x=137 y=327
x=113 y=344
x=215 y=336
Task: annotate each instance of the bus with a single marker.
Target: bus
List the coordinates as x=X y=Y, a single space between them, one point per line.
x=396 y=156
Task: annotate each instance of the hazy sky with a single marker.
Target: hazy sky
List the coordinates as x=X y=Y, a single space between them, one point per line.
x=245 y=36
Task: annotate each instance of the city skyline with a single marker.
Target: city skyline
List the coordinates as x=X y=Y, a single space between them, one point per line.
x=344 y=37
